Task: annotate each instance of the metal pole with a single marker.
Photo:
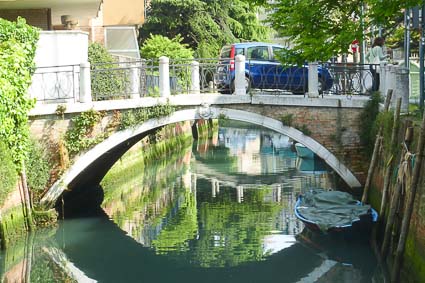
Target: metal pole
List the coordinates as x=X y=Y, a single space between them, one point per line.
x=362 y=40
x=421 y=59
x=407 y=38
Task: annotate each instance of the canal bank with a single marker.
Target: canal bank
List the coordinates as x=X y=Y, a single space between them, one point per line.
x=400 y=179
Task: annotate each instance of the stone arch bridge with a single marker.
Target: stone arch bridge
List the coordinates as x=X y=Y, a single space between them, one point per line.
x=329 y=126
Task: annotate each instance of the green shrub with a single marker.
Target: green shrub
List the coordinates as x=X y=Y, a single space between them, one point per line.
x=8 y=175
x=367 y=122
x=17 y=49
x=157 y=45
x=37 y=169
x=106 y=81
x=99 y=54
x=287 y=119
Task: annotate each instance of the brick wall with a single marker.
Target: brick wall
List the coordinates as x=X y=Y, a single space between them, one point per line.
x=40 y=18
x=337 y=129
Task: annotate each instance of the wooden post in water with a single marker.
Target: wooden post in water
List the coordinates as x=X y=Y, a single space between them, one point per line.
x=395 y=201
x=27 y=201
x=375 y=152
x=390 y=164
x=410 y=205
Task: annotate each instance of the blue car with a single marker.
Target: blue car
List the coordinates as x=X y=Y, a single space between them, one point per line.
x=264 y=71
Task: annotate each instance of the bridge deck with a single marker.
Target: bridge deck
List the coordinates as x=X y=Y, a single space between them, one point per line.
x=335 y=101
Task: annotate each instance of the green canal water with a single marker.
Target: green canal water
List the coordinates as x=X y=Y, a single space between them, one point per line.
x=219 y=211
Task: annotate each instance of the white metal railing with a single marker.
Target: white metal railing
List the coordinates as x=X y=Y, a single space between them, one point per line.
x=56 y=83
x=164 y=77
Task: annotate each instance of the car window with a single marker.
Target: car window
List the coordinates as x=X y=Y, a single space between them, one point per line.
x=225 y=52
x=276 y=50
x=240 y=51
x=258 y=53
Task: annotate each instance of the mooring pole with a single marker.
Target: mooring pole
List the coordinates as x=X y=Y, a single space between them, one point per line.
x=395 y=201
x=421 y=60
x=410 y=204
x=390 y=163
x=27 y=200
x=375 y=152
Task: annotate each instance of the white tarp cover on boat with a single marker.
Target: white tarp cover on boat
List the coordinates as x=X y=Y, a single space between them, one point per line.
x=331 y=208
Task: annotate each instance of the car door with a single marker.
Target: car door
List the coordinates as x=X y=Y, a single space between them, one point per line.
x=257 y=59
x=280 y=72
x=288 y=77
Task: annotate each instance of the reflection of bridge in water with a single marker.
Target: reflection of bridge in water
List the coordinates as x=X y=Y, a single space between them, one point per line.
x=85 y=258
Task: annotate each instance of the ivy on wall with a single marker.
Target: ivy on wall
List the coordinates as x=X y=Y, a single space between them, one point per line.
x=134 y=117
x=38 y=167
x=82 y=135
x=8 y=174
x=17 y=50
x=367 y=122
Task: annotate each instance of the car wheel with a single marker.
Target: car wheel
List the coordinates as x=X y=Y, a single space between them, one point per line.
x=301 y=90
x=224 y=91
x=247 y=84
x=320 y=85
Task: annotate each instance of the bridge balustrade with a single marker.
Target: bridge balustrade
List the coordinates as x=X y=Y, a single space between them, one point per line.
x=56 y=84
x=154 y=78
x=350 y=78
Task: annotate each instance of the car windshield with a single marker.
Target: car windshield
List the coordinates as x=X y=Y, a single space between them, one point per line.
x=258 y=53
x=276 y=52
x=225 y=52
x=240 y=51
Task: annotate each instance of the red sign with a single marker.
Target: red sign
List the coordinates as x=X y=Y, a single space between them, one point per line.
x=355 y=46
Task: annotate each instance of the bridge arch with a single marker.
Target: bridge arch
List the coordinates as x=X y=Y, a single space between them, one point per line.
x=121 y=141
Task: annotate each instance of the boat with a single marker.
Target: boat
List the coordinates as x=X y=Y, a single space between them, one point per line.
x=334 y=211
x=311 y=165
x=303 y=151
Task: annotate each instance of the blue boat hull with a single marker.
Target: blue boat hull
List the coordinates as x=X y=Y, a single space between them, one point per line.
x=303 y=151
x=362 y=226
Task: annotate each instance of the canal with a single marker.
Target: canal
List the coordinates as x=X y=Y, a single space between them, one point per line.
x=219 y=210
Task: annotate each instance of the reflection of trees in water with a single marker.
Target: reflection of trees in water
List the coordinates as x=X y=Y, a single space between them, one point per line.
x=138 y=198
x=158 y=210
x=232 y=233
x=180 y=227
x=27 y=261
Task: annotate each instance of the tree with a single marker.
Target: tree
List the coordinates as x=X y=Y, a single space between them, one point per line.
x=321 y=29
x=157 y=45
x=205 y=25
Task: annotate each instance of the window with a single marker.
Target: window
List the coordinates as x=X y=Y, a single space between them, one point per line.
x=239 y=51
x=122 y=41
x=225 y=52
x=276 y=51
x=258 y=53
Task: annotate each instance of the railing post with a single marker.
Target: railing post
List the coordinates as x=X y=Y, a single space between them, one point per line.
x=240 y=75
x=382 y=78
x=402 y=88
x=194 y=82
x=135 y=81
x=164 y=76
x=392 y=78
x=85 y=83
x=313 y=80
